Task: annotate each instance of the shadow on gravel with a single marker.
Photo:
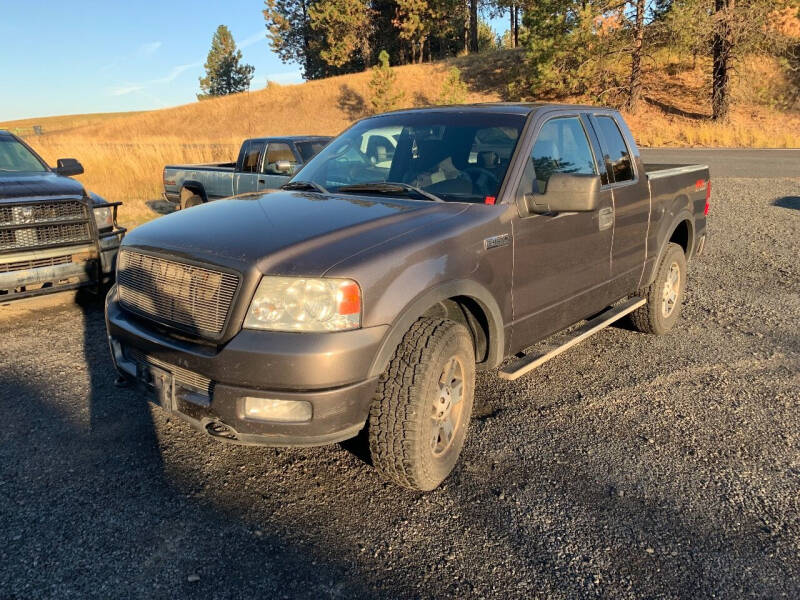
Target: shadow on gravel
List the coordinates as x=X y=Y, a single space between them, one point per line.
x=91 y=510
x=792 y=202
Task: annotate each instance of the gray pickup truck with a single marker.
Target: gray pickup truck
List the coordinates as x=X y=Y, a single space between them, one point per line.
x=362 y=298
x=263 y=164
x=54 y=235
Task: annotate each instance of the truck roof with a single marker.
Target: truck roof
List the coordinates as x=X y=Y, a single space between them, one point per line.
x=292 y=138
x=519 y=108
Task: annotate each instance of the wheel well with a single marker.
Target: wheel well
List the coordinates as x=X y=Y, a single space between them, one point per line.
x=189 y=190
x=468 y=312
x=682 y=236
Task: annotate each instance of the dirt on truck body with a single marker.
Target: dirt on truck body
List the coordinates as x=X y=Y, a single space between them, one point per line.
x=363 y=298
x=54 y=235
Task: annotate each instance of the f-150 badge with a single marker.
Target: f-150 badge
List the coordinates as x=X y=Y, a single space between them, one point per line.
x=497 y=241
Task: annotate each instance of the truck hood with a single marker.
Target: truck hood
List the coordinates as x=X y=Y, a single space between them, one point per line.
x=37 y=185
x=287 y=233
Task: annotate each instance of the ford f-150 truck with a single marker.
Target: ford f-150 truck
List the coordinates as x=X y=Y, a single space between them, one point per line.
x=54 y=235
x=263 y=164
x=364 y=296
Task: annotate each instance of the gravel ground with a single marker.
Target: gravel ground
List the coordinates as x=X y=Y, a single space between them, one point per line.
x=631 y=466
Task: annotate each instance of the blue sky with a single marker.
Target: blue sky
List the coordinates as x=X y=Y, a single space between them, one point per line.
x=90 y=56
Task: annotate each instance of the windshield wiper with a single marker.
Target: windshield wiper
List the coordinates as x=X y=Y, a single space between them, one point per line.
x=304 y=185
x=389 y=187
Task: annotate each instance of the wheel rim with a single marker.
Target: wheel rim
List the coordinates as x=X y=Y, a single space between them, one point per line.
x=446 y=406
x=672 y=287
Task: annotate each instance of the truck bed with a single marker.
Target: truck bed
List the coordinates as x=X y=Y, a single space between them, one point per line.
x=224 y=166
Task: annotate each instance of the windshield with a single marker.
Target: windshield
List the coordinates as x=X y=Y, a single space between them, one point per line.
x=16 y=158
x=458 y=157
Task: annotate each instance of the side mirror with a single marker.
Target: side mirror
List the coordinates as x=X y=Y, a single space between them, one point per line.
x=567 y=192
x=68 y=167
x=284 y=167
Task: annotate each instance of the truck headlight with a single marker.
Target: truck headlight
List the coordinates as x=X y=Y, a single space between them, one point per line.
x=104 y=217
x=303 y=304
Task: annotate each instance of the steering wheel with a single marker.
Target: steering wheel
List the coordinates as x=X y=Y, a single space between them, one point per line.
x=483 y=178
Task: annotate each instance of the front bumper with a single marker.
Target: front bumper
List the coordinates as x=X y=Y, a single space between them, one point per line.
x=206 y=386
x=39 y=272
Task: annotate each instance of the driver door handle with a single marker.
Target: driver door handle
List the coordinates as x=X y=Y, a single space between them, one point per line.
x=606 y=218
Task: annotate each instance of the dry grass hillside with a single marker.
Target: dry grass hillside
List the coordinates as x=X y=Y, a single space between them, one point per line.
x=124 y=153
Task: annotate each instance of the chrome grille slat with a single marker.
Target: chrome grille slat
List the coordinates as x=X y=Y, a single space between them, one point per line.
x=175 y=293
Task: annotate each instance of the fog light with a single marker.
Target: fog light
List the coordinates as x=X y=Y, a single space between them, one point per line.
x=283 y=411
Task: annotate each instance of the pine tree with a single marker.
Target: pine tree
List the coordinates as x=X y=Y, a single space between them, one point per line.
x=344 y=26
x=454 y=90
x=224 y=72
x=635 y=85
x=383 y=96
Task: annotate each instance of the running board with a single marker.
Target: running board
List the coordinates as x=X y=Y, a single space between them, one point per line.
x=565 y=341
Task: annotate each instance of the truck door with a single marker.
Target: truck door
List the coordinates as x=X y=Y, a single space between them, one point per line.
x=631 y=197
x=248 y=171
x=279 y=165
x=561 y=260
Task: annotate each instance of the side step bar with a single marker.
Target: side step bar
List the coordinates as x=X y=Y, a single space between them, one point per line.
x=565 y=341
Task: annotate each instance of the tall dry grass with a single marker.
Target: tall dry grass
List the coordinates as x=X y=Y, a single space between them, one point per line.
x=124 y=154
x=131 y=171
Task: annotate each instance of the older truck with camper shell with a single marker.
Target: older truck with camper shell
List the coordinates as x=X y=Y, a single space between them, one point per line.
x=363 y=297
x=263 y=164
x=54 y=235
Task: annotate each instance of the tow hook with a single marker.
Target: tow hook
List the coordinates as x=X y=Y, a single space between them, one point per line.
x=219 y=429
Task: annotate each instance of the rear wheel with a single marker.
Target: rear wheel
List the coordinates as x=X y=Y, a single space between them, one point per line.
x=420 y=415
x=190 y=199
x=665 y=295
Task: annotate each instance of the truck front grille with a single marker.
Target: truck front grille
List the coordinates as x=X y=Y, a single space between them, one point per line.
x=191 y=298
x=28 y=226
x=55 y=210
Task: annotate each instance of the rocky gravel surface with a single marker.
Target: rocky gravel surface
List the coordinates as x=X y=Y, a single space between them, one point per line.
x=632 y=466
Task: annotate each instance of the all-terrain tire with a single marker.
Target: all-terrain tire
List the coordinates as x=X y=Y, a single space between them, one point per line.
x=188 y=201
x=653 y=317
x=406 y=443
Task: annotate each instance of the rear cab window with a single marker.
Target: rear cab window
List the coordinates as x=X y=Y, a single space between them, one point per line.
x=619 y=161
x=251 y=157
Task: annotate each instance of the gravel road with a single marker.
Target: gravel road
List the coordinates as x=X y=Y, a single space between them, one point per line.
x=632 y=466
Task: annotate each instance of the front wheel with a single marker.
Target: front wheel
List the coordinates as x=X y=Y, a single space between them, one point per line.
x=419 y=418
x=665 y=295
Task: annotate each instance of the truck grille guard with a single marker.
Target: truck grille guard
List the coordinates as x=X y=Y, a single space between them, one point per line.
x=48 y=223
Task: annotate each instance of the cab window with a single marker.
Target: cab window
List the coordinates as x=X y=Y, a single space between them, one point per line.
x=277 y=152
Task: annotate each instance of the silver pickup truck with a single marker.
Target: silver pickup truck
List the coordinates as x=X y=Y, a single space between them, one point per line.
x=264 y=164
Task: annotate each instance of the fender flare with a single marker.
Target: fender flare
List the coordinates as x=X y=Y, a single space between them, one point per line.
x=430 y=297
x=683 y=215
x=195 y=187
